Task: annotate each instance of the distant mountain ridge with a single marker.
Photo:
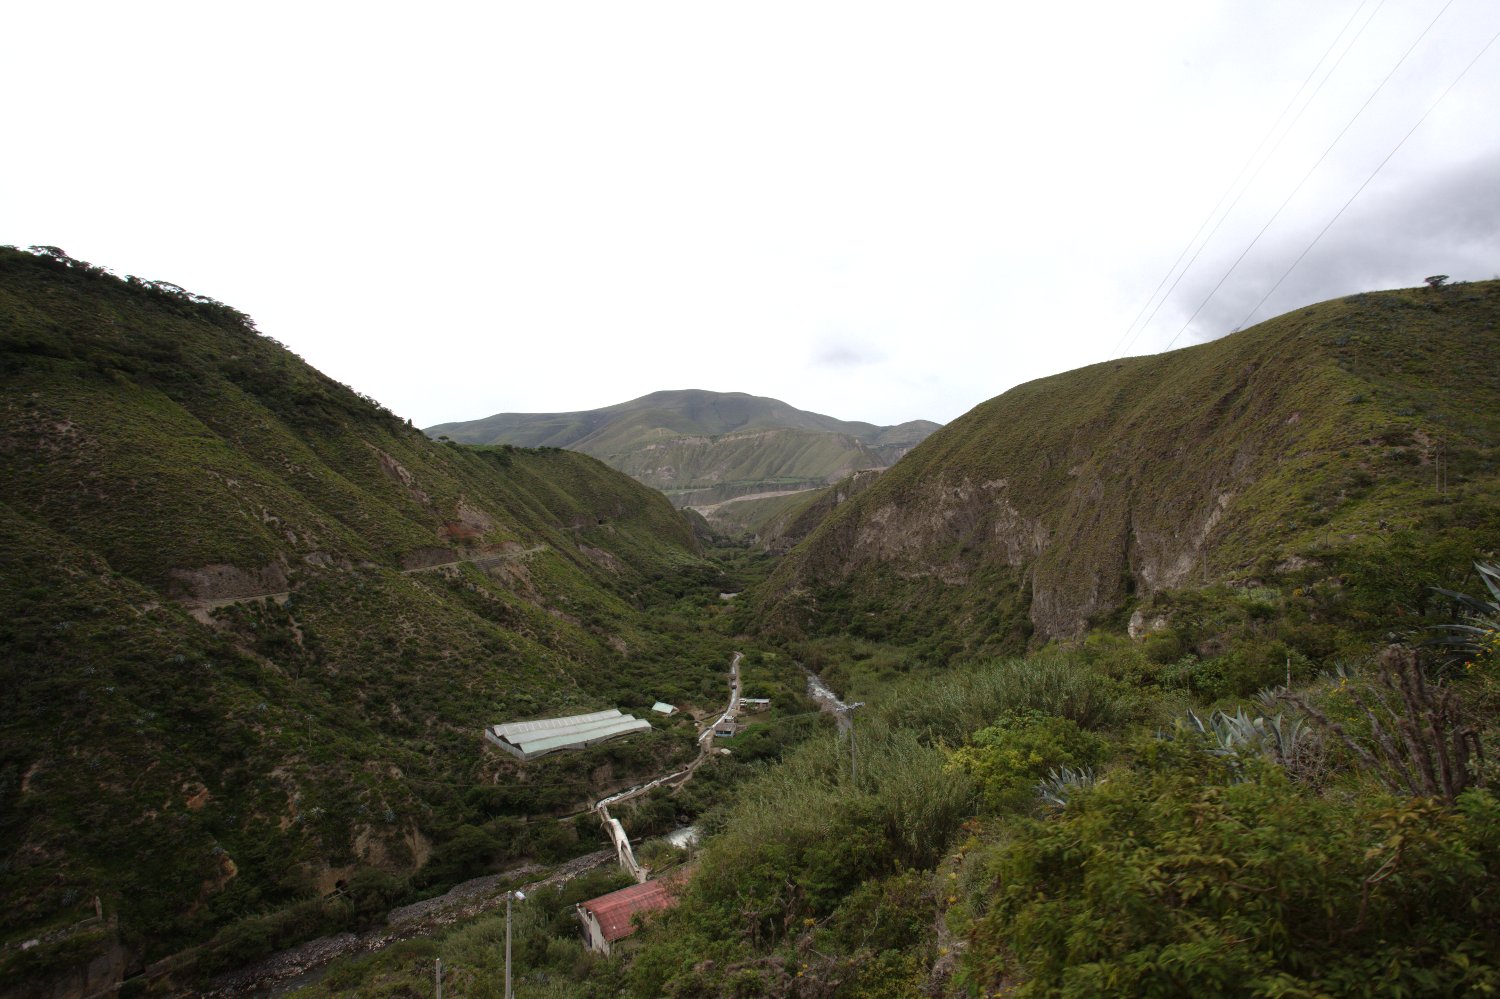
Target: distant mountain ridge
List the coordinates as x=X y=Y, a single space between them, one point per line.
x=702 y=447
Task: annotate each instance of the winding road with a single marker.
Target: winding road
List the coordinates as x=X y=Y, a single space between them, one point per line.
x=201 y=608
x=481 y=561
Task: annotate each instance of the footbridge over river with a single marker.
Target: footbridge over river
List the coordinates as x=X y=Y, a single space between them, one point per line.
x=612 y=825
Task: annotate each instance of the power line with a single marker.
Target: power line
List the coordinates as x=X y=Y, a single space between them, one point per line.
x=1128 y=335
x=1309 y=173
x=1394 y=150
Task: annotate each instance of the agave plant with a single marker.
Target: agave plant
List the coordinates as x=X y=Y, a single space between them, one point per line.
x=1061 y=782
x=1269 y=698
x=1476 y=636
x=1238 y=734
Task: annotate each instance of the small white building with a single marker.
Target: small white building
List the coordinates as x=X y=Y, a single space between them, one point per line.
x=755 y=703
x=663 y=708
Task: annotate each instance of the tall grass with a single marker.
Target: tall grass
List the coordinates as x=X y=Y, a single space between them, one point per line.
x=904 y=807
x=1054 y=682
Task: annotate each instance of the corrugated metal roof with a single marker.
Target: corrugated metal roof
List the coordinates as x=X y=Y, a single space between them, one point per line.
x=511 y=729
x=581 y=730
x=542 y=742
x=614 y=911
x=528 y=739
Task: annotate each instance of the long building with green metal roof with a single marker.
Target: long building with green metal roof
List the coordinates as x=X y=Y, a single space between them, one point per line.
x=526 y=740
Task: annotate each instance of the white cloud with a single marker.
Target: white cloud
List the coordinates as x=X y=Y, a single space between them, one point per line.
x=464 y=208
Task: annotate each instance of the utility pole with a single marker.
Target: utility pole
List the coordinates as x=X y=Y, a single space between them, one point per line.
x=437 y=976
x=508 y=896
x=848 y=711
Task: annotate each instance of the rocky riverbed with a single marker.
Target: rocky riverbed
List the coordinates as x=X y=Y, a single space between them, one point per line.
x=306 y=963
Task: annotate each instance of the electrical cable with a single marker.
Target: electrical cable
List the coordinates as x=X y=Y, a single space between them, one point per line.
x=1277 y=214
x=1408 y=135
x=1129 y=337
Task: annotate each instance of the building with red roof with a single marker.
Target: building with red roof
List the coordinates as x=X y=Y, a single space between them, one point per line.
x=610 y=918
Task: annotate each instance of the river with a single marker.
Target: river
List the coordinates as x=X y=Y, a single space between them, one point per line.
x=827 y=699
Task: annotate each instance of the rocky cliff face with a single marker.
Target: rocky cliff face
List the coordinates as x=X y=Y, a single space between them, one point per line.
x=1083 y=554
x=1080 y=493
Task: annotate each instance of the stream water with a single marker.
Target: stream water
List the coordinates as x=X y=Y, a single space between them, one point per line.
x=827 y=699
x=683 y=837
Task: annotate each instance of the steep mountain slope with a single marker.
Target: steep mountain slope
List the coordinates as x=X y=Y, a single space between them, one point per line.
x=703 y=447
x=1352 y=440
x=778 y=523
x=254 y=623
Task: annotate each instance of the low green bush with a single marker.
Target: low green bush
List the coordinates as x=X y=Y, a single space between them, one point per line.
x=1006 y=760
x=1174 y=881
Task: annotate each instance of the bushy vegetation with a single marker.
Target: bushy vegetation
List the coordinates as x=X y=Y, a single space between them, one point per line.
x=1008 y=759
x=254 y=624
x=1188 y=878
x=1070 y=824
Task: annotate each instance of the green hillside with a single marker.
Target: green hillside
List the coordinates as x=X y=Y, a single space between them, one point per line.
x=1346 y=452
x=1146 y=708
x=693 y=473
x=1137 y=716
x=254 y=624
x=686 y=411
x=778 y=523
x=703 y=447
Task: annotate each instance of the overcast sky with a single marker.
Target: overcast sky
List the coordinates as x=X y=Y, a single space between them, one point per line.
x=876 y=211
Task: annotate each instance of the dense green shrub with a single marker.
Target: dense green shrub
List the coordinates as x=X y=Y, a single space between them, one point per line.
x=371 y=893
x=1164 y=647
x=256 y=936
x=1007 y=759
x=1172 y=882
